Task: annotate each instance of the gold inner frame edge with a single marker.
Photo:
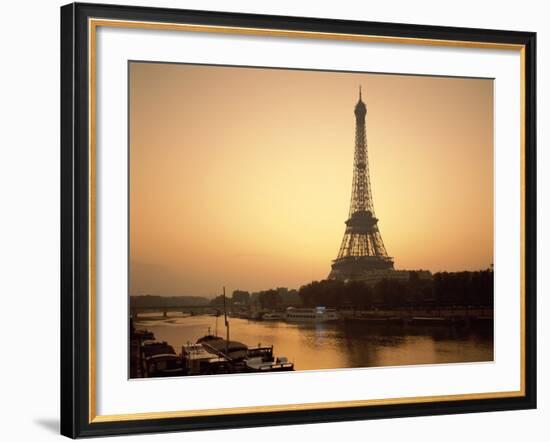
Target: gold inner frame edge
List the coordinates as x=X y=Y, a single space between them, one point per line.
x=93 y=24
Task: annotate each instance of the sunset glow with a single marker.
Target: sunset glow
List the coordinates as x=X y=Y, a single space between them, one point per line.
x=242 y=176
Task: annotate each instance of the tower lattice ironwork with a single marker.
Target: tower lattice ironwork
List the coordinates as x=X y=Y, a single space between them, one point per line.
x=362 y=248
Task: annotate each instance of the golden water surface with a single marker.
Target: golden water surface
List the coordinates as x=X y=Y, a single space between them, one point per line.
x=333 y=345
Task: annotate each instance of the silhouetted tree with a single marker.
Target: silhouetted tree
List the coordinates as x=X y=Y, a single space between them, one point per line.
x=460 y=288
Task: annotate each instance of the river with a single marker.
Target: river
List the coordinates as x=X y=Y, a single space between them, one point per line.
x=315 y=346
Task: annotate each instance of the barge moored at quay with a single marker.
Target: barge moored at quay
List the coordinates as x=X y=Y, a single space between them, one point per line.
x=209 y=355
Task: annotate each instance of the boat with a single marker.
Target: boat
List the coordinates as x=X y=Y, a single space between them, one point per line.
x=232 y=350
x=272 y=316
x=317 y=314
x=151 y=348
x=208 y=337
x=163 y=365
x=197 y=360
x=255 y=315
x=239 y=356
x=261 y=359
x=143 y=335
x=160 y=360
x=140 y=333
x=243 y=358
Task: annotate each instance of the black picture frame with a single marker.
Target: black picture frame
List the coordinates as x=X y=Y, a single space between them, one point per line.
x=75 y=221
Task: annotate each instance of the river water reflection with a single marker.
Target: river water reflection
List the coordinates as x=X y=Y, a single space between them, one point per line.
x=330 y=345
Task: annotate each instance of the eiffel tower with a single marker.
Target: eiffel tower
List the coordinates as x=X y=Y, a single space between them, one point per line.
x=362 y=249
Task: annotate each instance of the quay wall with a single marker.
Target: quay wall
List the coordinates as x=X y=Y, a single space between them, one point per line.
x=446 y=313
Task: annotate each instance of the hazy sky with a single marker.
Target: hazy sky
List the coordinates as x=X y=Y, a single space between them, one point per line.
x=242 y=177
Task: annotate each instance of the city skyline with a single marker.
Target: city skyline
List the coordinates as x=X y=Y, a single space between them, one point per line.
x=242 y=176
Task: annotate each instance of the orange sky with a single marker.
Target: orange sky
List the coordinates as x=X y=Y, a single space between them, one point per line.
x=242 y=177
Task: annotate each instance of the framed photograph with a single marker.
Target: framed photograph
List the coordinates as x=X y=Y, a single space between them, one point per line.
x=274 y=220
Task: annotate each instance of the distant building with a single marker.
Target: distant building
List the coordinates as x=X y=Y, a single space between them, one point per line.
x=241 y=297
x=371 y=277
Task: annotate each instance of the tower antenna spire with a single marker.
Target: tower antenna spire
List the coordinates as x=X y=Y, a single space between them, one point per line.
x=360 y=92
